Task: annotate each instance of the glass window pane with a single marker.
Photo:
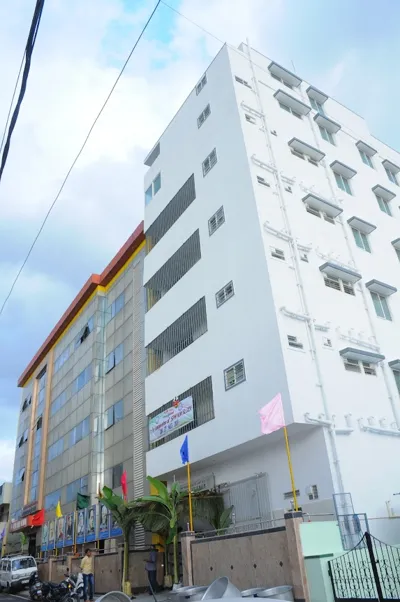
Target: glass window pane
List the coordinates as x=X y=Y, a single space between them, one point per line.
x=119 y=411
x=338 y=179
x=377 y=305
x=85 y=427
x=357 y=238
x=157 y=183
x=109 y=417
x=119 y=303
x=385 y=308
x=119 y=354
x=110 y=362
x=148 y=195
x=365 y=242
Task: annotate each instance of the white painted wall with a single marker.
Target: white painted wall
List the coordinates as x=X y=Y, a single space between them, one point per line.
x=252 y=325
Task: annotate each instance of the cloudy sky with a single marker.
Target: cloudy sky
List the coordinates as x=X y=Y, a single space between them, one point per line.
x=348 y=49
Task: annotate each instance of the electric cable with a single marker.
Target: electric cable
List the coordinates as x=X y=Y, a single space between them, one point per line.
x=30 y=44
x=76 y=159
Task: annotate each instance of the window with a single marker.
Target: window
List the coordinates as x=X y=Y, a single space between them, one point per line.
x=381 y=306
x=365 y=158
x=359 y=366
x=398 y=253
x=114 y=414
x=62 y=358
x=114 y=358
x=58 y=403
x=326 y=135
x=383 y=205
x=234 y=375
x=84 y=332
x=288 y=495
x=290 y=110
x=115 y=307
x=317 y=106
x=20 y=476
x=361 y=240
x=51 y=500
x=55 y=450
x=216 y=221
x=201 y=84
x=78 y=486
x=339 y=285
x=277 y=253
x=224 y=294
x=27 y=403
x=23 y=563
x=209 y=162
x=79 y=432
x=152 y=189
x=203 y=116
x=243 y=82
x=391 y=175
x=313 y=493
x=250 y=119
x=320 y=214
x=294 y=342
x=279 y=79
x=396 y=375
x=83 y=378
x=262 y=181
x=116 y=475
x=24 y=438
x=342 y=182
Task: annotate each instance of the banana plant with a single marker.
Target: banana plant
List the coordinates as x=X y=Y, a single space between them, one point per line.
x=125 y=515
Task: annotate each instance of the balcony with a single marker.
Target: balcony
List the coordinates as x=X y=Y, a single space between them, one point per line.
x=177 y=337
x=173 y=270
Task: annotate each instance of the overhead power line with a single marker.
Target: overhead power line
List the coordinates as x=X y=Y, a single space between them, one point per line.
x=76 y=158
x=30 y=44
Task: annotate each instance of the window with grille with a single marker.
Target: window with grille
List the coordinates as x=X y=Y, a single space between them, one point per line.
x=313 y=493
x=320 y=214
x=242 y=81
x=280 y=79
x=391 y=175
x=290 y=110
x=294 y=342
x=359 y=366
x=262 y=181
x=277 y=253
x=27 y=403
x=209 y=162
x=326 y=134
x=327 y=342
x=250 y=119
x=365 y=158
x=234 y=375
x=288 y=495
x=339 y=285
x=342 y=182
x=201 y=84
x=216 y=221
x=383 y=205
x=224 y=294
x=381 y=306
x=361 y=240
x=203 y=116
x=317 y=106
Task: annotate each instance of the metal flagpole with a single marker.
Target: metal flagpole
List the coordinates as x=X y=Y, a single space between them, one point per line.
x=190 y=497
x=290 y=469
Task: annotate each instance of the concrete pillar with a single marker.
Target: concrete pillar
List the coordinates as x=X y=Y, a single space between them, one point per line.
x=296 y=558
x=186 y=552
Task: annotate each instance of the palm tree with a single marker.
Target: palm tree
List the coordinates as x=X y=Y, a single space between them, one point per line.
x=125 y=514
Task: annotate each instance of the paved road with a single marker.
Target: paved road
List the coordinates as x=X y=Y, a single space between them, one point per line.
x=11 y=598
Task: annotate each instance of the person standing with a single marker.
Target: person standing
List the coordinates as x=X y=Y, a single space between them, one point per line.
x=87 y=574
x=151 y=568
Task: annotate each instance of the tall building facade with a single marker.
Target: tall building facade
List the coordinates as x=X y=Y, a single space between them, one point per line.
x=82 y=412
x=272 y=266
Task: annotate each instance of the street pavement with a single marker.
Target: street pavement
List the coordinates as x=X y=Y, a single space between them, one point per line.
x=24 y=595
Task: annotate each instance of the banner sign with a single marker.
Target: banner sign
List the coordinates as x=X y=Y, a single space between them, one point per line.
x=80 y=530
x=51 y=536
x=171 y=420
x=69 y=529
x=104 y=523
x=90 y=525
x=60 y=532
x=115 y=530
x=45 y=537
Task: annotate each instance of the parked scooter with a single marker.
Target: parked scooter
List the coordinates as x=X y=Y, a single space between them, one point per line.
x=77 y=591
x=35 y=587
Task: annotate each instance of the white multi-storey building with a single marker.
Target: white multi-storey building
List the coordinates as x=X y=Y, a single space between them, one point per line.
x=273 y=248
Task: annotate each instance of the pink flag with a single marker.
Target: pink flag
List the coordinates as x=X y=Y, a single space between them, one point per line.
x=271 y=415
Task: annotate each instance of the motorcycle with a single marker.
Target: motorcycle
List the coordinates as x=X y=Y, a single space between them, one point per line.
x=77 y=591
x=35 y=587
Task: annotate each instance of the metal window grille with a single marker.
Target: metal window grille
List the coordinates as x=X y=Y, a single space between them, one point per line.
x=209 y=162
x=294 y=342
x=332 y=283
x=352 y=365
x=224 y=294
x=234 y=375
x=250 y=119
x=262 y=181
x=216 y=221
x=203 y=116
x=288 y=495
x=203 y=409
x=173 y=270
x=172 y=212
x=201 y=84
x=313 y=211
x=368 y=368
x=348 y=288
x=183 y=332
x=242 y=81
x=278 y=254
x=250 y=500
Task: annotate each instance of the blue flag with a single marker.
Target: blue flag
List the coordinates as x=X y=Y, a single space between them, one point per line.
x=184 y=451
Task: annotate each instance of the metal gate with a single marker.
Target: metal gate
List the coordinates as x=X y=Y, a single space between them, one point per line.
x=370 y=571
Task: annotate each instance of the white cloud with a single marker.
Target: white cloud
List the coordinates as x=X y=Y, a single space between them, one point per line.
x=7 y=449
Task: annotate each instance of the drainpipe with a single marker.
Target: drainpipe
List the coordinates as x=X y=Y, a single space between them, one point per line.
x=339 y=488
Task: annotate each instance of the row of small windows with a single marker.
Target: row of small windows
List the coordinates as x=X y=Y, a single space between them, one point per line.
x=115 y=307
x=72 y=489
x=79 y=432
